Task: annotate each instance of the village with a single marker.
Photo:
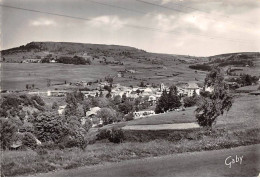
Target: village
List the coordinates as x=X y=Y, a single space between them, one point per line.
x=110 y=90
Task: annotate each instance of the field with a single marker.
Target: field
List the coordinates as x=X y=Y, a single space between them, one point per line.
x=15 y=76
x=38 y=73
x=22 y=163
x=245 y=112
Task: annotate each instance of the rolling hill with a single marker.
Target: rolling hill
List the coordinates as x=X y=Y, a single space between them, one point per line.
x=138 y=65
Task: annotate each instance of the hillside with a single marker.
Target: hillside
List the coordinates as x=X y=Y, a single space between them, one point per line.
x=58 y=49
x=128 y=65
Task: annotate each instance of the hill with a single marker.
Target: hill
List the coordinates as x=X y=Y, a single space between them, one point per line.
x=129 y=65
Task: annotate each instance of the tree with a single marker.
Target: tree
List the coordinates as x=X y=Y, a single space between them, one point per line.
x=49 y=126
x=48 y=82
x=162 y=104
x=54 y=105
x=107 y=115
x=173 y=100
x=213 y=104
x=7 y=130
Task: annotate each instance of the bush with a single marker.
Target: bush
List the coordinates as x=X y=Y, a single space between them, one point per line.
x=116 y=136
x=38 y=99
x=54 y=106
x=189 y=101
x=129 y=117
x=7 y=131
x=29 y=140
x=103 y=134
x=113 y=135
x=49 y=127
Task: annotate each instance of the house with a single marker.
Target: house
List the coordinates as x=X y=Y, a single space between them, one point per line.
x=140 y=114
x=61 y=109
x=162 y=87
x=57 y=93
x=209 y=89
x=31 y=61
x=90 y=93
x=187 y=89
x=92 y=115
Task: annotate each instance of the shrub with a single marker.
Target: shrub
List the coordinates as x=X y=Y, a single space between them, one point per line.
x=103 y=134
x=49 y=127
x=113 y=135
x=116 y=136
x=54 y=106
x=189 y=101
x=38 y=99
x=29 y=140
x=7 y=130
x=129 y=117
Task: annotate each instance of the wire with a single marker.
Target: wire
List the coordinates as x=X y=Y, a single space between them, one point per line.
x=118 y=7
x=127 y=25
x=170 y=8
x=141 y=12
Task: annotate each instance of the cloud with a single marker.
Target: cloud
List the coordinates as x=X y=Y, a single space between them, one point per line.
x=43 y=22
x=114 y=22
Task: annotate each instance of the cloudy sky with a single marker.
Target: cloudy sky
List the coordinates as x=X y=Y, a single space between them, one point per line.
x=190 y=27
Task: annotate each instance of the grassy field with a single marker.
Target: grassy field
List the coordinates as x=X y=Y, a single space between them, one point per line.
x=167 y=118
x=245 y=112
x=21 y=163
x=17 y=75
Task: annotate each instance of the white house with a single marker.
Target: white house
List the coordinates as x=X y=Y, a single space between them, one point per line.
x=188 y=89
x=140 y=114
x=61 y=109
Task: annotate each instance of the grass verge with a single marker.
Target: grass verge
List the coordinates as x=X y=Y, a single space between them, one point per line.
x=18 y=163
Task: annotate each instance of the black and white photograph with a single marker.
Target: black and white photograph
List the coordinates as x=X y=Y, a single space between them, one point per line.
x=130 y=88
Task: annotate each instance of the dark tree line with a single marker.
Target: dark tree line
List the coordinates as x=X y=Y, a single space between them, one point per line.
x=168 y=101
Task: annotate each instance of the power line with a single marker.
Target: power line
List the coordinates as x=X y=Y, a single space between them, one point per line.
x=196 y=9
x=140 y=12
x=178 y=10
x=127 y=25
x=118 y=7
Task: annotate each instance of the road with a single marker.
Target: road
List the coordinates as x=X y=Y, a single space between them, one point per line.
x=206 y=163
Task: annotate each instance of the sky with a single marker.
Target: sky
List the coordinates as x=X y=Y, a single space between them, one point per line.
x=187 y=27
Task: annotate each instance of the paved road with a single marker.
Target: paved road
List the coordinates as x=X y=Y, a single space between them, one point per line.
x=206 y=163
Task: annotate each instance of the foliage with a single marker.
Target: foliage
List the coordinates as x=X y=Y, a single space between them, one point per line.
x=126 y=107
x=168 y=101
x=116 y=135
x=12 y=105
x=190 y=101
x=55 y=105
x=108 y=115
x=38 y=99
x=213 y=104
x=29 y=140
x=7 y=130
x=49 y=126
x=73 y=60
x=129 y=117
x=202 y=67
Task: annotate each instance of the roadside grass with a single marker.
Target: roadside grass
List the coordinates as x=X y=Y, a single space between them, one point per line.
x=20 y=163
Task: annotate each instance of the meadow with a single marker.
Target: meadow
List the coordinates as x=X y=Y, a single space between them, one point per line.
x=23 y=163
x=245 y=113
x=15 y=76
